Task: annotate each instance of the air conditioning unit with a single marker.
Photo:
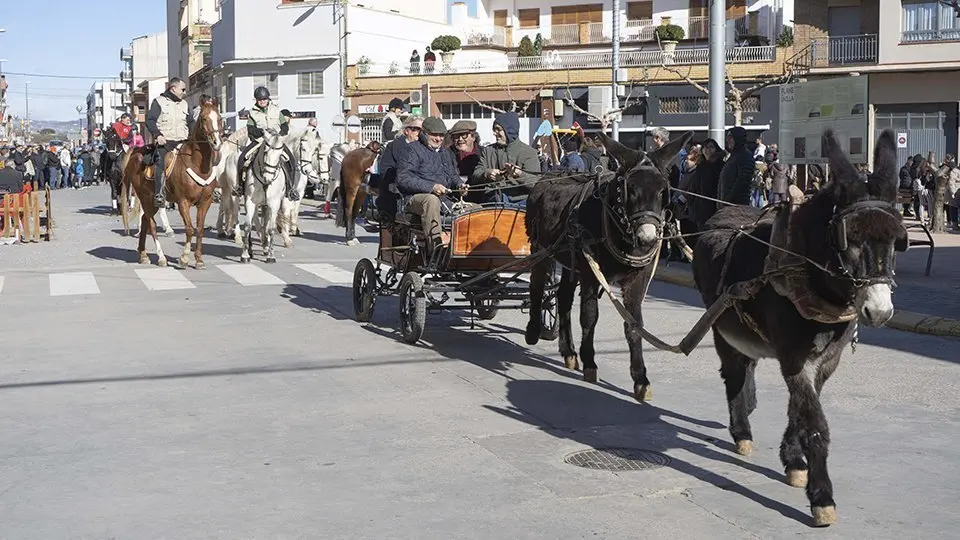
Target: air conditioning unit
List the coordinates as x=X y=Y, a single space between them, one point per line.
x=416 y=97
x=347 y=104
x=598 y=100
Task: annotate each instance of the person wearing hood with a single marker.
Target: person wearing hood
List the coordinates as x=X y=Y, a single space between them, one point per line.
x=510 y=158
x=736 y=177
x=426 y=170
x=390 y=127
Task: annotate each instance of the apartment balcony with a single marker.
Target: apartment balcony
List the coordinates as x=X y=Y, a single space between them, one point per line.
x=940 y=28
x=126 y=54
x=464 y=63
x=126 y=75
x=837 y=52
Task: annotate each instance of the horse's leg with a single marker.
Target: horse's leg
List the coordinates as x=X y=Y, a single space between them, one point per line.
x=589 y=315
x=221 y=216
x=633 y=301
x=167 y=229
x=295 y=218
x=247 y=243
x=271 y=212
x=534 y=323
x=188 y=231
x=161 y=258
x=283 y=221
x=142 y=239
x=202 y=209
x=737 y=372
x=805 y=378
x=565 y=294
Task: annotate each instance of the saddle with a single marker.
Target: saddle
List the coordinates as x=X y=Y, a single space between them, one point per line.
x=149 y=159
x=252 y=155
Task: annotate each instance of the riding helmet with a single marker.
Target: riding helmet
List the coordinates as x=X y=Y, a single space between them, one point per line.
x=261 y=93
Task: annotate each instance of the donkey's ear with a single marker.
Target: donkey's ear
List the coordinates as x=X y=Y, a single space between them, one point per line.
x=627 y=157
x=883 y=182
x=666 y=155
x=840 y=166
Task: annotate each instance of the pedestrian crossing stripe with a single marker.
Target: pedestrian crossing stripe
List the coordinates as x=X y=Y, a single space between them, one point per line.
x=249 y=275
x=73 y=283
x=1 y=284
x=328 y=272
x=164 y=279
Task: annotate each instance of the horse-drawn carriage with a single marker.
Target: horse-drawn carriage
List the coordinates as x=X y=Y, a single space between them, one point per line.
x=479 y=269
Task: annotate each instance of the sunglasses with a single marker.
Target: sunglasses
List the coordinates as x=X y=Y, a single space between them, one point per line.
x=411 y=128
x=461 y=135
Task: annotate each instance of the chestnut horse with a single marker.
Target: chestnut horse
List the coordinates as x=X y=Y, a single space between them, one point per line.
x=352 y=192
x=190 y=182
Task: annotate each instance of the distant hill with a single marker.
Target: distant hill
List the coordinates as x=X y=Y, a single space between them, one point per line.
x=60 y=126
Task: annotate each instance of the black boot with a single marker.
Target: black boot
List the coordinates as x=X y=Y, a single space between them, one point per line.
x=158 y=199
x=292 y=193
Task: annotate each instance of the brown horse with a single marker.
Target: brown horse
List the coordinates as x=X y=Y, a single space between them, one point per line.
x=190 y=182
x=352 y=193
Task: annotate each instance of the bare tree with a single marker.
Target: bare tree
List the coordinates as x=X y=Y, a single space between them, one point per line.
x=607 y=118
x=514 y=106
x=735 y=96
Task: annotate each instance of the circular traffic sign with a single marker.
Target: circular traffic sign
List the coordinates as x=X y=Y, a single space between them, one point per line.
x=338 y=121
x=902 y=140
x=353 y=124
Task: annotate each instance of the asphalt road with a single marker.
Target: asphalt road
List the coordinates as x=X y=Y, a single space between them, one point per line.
x=245 y=402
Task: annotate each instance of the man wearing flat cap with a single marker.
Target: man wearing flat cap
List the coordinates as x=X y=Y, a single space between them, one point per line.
x=465 y=144
x=426 y=170
x=389 y=157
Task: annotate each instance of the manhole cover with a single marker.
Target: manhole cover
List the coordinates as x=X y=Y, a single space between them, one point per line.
x=617 y=459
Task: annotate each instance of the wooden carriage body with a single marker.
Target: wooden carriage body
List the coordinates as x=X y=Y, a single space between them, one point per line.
x=480 y=240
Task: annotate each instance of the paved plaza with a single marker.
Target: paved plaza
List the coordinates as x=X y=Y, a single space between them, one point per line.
x=243 y=401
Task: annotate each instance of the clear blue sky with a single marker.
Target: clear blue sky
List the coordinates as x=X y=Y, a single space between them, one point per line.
x=66 y=37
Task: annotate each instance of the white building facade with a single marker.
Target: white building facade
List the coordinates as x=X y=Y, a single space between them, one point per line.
x=298 y=64
x=189 y=42
x=106 y=101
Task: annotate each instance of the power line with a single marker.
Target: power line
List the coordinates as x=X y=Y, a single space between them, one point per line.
x=50 y=76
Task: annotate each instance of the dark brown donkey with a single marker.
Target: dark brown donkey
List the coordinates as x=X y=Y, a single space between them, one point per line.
x=352 y=194
x=190 y=182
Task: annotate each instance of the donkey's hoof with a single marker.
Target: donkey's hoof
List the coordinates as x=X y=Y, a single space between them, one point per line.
x=200 y=265
x=184 y=261
x=353 y=242
x=590 y=375
x=532 y=335
x=797 y=479
x=168 y=233
x=162 y=262
x=571 y=362
x=824 y=516
x=244 y=259
x=271 y=259
x=642 y=392
x=744 y=447
x=144 y=258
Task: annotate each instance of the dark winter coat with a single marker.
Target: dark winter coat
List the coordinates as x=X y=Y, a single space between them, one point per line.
x=421 y=167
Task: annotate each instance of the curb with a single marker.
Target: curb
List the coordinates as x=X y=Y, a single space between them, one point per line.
x=906 y=321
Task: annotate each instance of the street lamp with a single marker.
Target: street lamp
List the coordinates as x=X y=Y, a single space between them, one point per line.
x=80 y=114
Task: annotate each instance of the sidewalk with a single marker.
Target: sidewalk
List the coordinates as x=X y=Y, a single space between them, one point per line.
x=926 y=305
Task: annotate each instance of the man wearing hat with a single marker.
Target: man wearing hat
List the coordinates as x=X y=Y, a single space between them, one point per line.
x=426 y=170
x=387 y=199
x=390 y=127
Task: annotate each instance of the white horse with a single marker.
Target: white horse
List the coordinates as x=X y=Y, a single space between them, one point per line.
x=265 y=185
x=228 y=217
x=306 y=150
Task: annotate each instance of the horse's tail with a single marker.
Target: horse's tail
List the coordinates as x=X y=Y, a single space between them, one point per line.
x=341 y=202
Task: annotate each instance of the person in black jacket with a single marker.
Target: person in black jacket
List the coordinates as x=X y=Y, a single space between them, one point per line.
x=389 y=157
x=425 y=172
x=737 y=173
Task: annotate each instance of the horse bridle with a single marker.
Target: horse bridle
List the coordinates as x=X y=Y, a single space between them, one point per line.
x=837 y=234
x=628 y=224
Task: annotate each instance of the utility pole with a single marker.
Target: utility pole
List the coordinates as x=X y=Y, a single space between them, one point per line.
x=615 y=99
x=718 y=61
x=27 y=130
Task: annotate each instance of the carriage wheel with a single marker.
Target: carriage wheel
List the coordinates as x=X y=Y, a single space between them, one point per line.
x=486 y=309
x=364 y=290
x=548 y=313
x=413 y=307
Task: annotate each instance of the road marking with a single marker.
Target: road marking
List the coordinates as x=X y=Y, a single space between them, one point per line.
x=73 y=283
x=1 y=284
x=328 y=272
x=248 y=275
x=164 y=279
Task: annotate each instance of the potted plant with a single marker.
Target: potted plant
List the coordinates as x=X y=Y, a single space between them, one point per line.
x=669 y=35
x=394 y=68
x=446 y=45
x=363 y=65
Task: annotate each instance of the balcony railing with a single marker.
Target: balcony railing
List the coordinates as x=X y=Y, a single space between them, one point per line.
x=564 y=34
x=939 y=29
x=638 y=30
x=496 y=36
x=843 y=50
x=570 y=61
x=698 y=28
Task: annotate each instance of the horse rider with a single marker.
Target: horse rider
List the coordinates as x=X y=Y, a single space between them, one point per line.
x=427 y=170
x=124 y=130
x=266 y=117
x=169 y=122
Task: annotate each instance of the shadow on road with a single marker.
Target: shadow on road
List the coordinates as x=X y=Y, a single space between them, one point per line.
x=97 y=211
x=110 y=253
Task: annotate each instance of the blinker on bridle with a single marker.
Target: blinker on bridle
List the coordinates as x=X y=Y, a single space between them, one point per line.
x=838 y=231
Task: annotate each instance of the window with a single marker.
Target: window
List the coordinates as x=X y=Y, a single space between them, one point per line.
x=500 y=17
x=269 y=80
x=577 y=14
x=929 y=21
x=701 y=105
x=529 y=18
x=466 y=111
x=310 y=83
x=640 y=11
